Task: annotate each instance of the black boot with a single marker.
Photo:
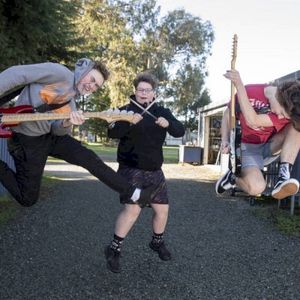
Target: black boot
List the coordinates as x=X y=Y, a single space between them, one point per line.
x=161 y=249
x=113 y=259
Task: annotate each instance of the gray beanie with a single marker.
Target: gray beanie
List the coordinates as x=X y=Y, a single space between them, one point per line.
x=82 y=67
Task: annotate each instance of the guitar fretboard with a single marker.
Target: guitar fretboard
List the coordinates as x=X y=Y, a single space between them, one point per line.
x=109 y=115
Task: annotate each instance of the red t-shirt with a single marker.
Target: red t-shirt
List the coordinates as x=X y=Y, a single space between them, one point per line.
x=259 y=101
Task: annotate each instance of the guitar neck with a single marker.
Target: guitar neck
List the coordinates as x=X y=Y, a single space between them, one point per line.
x=232 y=108
x=109 y=116
x=17 y=118
x=233 y=89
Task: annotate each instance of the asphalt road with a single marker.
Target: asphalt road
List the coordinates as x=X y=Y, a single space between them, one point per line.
x=220 y=249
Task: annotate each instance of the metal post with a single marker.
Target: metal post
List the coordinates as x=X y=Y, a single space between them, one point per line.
x=199 y=128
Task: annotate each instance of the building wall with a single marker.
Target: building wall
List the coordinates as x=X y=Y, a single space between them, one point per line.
x=289 y=77
x=210 y=134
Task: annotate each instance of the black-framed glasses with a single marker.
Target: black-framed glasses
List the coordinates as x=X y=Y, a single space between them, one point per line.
x=146 y=91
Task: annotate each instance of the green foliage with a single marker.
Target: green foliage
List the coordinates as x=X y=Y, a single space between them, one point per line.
x=36 y=30
x=105 y=36
x=184 y=34
x=188 y=91
x=130 y=38
x=97 y=102
x=128 y=35
x=189 y=39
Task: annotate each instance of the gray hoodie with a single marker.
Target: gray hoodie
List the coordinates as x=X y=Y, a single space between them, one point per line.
x=50 y=83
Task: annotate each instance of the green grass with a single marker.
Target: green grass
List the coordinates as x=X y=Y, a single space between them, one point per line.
x=287 y=224
x=101 y=149
x=281 y=219
x=170 y=153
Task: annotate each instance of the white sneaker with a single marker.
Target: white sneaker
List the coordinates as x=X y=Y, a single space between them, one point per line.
x=285 y=188
x=225 y=182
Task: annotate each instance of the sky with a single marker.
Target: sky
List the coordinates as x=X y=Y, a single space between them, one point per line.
x=268 y=39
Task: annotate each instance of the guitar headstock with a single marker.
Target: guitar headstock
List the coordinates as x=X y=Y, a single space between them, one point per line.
x=234 y=51
x=114 y=115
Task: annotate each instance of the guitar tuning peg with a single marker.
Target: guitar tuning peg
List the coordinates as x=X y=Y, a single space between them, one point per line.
x=130 y=112
x=116 y=111
x=109 y=111
x=123 y=112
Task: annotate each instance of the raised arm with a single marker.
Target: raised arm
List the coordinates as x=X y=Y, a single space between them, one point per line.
x=253 y=119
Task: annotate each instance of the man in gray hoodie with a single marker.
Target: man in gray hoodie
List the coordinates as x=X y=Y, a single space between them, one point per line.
x=53 y=87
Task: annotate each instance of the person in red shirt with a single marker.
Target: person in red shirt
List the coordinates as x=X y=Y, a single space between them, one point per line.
x=270 y=124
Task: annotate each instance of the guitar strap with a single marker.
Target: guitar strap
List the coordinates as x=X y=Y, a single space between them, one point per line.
x=41 y=109
x=11 y=95
x=48 y=107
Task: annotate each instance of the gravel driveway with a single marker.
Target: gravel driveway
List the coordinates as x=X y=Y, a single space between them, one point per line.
x=54 y=250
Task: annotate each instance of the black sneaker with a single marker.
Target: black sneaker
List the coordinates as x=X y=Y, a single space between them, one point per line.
x=285 y=188
x=161 y=249
x=112 y=259
x=226 y=182
x=148 y=193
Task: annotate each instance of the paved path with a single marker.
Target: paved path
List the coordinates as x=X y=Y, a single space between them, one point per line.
x=54 y=250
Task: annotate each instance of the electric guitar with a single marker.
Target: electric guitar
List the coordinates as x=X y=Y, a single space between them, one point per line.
x=235 y=128
x=10 y=117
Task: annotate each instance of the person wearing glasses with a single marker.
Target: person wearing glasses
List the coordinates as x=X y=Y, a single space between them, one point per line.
x=140 y=157
x=53 y=87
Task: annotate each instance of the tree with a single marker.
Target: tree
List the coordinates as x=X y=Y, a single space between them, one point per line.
x=96 y=102
x=36 y=30
x=188 y=89
x=111 y=31
x=127 y=35
x=187 y=42
x=130 y=38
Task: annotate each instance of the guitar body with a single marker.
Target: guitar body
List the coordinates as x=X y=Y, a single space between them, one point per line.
x=4 y=128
